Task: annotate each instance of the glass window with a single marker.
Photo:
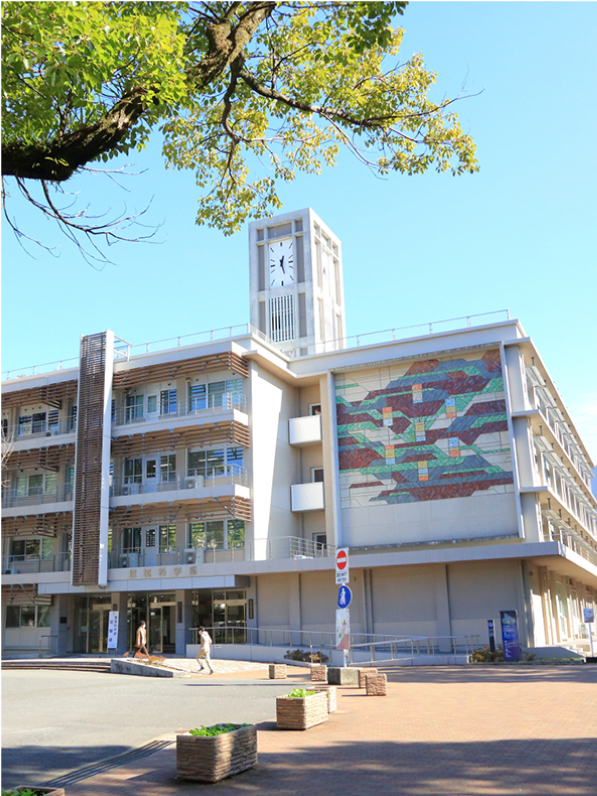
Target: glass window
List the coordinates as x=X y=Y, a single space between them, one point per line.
x=13 y=616
x=152 y=403
x=36 y=485
x=196 y=463
x=53 y=421
x=197 y=397
x=236 y=534
x=317 y=475
x=167 y=537
x=17 y=547
x=196 y=534
x=50 y=483
x=215 y=462
x=298 y=225
x=151 y=466
x=214 y=535
x=279 y=231
x=234 y=460
x=133 y=407
x=150 y=537
x=25 y=424
x=215 y=391
x=27 y=616
x=131 y=540
x=43 y=615
x=133 y=471
x=168 y=402
x=259 y=234
x=72 y=418
x=168 y=468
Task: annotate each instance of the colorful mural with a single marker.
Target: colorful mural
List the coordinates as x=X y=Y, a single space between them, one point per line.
x=434 y=430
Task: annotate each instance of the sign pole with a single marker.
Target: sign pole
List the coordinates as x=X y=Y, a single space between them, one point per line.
x=344 y=598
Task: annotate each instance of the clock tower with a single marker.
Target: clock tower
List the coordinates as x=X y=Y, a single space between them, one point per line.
x=297 y=293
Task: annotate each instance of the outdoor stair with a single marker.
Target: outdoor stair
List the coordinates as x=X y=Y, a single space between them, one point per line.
x=74 y=666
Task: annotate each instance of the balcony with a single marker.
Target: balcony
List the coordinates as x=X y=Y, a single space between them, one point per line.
x=135 y=415
x=15 y=565
x=13 y=498
x=304 y=431
x=176 y=557
x=38 y=430
x=307 y=497
x=230 y=475
x=297 y=547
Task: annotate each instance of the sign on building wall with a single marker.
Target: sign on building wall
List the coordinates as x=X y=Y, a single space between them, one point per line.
x=510 y=641
x=113 y=630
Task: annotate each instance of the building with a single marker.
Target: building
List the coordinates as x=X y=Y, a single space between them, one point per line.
x=209 y=481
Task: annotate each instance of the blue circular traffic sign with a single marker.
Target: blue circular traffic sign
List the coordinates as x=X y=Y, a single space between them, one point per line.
x=344 y=597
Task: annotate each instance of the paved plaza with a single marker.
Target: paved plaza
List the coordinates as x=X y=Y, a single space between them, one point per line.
x=459 y=731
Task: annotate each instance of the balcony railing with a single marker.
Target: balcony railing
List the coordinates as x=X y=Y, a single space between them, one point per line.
x=177 y=556
x=232 y=474
x=14 y=565
x=12 y=498
x=296 y=547
x=131 y=415
x=38 y=428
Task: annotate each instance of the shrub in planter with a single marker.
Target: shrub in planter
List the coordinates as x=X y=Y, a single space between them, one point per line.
x=301 y=709
x=485 y=655
x=306 y=657
x=213 y=753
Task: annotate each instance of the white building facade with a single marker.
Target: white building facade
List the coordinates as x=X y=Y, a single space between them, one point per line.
x=211 y=483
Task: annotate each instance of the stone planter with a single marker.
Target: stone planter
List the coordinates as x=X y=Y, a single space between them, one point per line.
x=212 y=759
x=47 y=791
x=363 y=673
x=277 y=671
x=319 y=673
x=342 y=675
x=376 y=684
x=330 y=690
x=300 y=713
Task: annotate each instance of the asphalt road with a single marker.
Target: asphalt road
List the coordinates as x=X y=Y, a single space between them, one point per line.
x=54 y=722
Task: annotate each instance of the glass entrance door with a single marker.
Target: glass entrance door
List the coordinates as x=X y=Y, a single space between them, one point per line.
x=162 y=623
x=229 y=614
x=98 y=628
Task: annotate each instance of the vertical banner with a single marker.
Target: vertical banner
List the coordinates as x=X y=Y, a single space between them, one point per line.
x=491 y=631
x=510 y=640
x=113 y=630
x=342 y=628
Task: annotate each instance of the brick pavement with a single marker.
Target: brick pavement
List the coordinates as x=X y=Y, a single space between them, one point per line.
x=439 y=732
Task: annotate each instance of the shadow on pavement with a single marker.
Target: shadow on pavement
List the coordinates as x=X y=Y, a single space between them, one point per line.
x=488 y=673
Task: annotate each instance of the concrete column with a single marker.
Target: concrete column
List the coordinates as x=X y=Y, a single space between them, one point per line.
x=442 y=606
x=329 y=441
x=516 y=379
x=531 y=517
x=183 y=596
x=294 y=604
x=368 y=599
x=525 y=452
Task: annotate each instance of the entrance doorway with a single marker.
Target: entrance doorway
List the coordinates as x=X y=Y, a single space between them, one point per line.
x=92 y=613
x=224 y=611
x=162 y=627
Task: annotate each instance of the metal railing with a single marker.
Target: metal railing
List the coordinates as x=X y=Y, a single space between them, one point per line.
x=180 y=555
x=297 y=547
x=15 y=565
x=132 y=415
x=231 y=475
x=573 y=542
x=38 y=429
x=414 y=646
x=380 y=647
x=12 y=498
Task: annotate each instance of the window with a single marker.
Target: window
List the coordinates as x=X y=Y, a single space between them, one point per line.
x=215 y=462
x=217 y=535
x=150 y=537
x=281 y=318
x=32 y=424
x=168 y=402
x=4 y=427
x=28 y=616
x=31 y=549
x=131 y=540
x=319 y=539
x=133 y=408
x=234 y=460
x=317 y=475
x=168 y=468
x=133 y=471
x=152 y=404
x=53 y=421
x=314 y=409
x=72 y=418
x=167 y=538
x=36 y=485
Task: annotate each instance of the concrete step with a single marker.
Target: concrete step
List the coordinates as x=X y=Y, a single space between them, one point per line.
x=75 y=666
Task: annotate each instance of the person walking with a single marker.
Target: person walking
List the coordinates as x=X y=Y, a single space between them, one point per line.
x=141 y=640
x=204 y=653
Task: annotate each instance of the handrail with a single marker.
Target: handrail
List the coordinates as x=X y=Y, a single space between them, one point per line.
x=132 y=415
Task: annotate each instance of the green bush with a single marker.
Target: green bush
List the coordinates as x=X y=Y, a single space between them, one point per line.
x=485 y=655
x=300 y=693
x=306 y=657
x=217 y=729
x=22 y=792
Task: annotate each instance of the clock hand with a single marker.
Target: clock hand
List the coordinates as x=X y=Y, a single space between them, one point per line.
x=282 y=263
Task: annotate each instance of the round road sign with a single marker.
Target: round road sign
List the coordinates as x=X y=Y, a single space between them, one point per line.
x=341 y=560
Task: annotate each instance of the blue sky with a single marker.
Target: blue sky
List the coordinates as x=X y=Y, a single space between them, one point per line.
x=518 y=235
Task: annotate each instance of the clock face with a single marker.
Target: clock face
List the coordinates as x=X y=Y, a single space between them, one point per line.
x=281 y=263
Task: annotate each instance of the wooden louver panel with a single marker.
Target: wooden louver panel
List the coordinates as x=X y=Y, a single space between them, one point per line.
x=165 y=371
x=88 y=468
x=37 y=525
x=24 y=595
x=196 y=510
x=51 y=458
x=49 y=394
x=182 y=437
